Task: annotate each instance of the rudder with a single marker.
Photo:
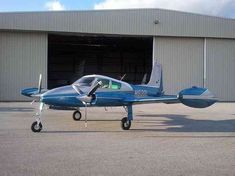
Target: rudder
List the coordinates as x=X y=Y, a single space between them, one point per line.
x=156 y=76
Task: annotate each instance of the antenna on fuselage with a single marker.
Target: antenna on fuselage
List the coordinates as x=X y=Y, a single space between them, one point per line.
x=123 y=77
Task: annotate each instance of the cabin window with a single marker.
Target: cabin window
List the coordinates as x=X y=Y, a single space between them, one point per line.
x=115 y=85
x=104 y=83
x=85 y=81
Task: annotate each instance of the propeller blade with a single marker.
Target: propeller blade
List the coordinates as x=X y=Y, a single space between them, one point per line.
x=77 y=89
x=40 y=84
x=94 y=88
x=33 y=102
x=85 y=98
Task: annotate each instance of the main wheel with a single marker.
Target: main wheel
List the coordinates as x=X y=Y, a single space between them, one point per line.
x=125 y=124
x=35 y=127
x=77 y=115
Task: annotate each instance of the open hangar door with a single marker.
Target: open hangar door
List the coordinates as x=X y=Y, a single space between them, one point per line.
x=70 y=57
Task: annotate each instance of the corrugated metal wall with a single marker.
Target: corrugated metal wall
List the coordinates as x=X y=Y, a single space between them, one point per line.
x=220 y=68
x=23 y=56
x=182 y=60
x=125 y=22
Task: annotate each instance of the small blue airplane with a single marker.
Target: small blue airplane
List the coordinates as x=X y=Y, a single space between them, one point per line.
x=103 y=91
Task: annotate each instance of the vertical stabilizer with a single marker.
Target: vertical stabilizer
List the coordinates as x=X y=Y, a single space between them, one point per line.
x=156 y=76
x=144 y=79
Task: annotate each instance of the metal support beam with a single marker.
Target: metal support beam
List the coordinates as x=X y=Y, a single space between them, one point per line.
x=204 y=64
x=153 y=52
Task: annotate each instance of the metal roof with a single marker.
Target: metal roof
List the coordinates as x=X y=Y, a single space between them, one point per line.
x=145 y=22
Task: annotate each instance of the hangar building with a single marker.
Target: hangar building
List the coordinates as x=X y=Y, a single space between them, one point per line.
x=193 y=49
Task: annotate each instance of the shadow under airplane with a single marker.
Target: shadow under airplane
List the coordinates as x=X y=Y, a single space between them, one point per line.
x=180 y=123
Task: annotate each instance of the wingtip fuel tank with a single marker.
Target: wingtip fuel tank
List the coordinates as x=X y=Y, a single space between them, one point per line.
x=197 y=97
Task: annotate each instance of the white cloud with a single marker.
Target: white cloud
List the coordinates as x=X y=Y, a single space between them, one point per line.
x=210 y=7
x=54 y=5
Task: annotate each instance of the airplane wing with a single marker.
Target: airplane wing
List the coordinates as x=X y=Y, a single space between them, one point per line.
x=32 y=92
x=169 y=99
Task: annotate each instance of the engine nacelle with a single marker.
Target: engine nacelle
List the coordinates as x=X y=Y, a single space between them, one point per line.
x=197 y=97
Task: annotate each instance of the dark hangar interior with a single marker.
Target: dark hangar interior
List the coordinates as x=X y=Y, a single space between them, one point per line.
x=72 y=56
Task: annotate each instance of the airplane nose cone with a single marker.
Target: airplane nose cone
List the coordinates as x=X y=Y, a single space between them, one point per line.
x=44 y=98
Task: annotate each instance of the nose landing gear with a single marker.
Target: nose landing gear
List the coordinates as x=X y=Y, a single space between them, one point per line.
x=37 y=125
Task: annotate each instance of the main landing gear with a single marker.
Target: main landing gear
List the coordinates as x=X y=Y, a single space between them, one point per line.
x=125 y=124
x=77 y=115
x=126 y=121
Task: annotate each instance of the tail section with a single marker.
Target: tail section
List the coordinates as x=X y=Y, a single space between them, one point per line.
x=156 y=77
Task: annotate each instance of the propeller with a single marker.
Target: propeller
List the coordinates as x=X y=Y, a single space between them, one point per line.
x=40 y=84
x=94 y=88
x=86 y=98
x=39 y=89
x=77 y=89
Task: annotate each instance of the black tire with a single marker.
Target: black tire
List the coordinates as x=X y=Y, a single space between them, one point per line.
x=36 y=128
x=77 y=115
x=125 y=124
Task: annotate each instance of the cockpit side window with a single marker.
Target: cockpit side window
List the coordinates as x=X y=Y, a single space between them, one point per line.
x=85 y=81
x=115 y=85
x=104 y=83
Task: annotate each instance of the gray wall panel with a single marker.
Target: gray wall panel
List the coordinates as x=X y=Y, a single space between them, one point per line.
x=182 y=60
x=23 y=56
x=221 y=68
x=126 y=22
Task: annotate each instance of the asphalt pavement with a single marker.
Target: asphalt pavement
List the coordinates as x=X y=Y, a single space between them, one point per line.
x=163 y=140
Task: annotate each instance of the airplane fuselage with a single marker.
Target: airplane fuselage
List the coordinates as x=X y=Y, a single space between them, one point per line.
x=66 y=96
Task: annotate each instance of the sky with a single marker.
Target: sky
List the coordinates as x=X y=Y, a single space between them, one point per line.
x=223 y=8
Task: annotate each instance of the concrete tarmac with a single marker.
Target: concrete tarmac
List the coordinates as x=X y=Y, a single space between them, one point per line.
x=163 y=140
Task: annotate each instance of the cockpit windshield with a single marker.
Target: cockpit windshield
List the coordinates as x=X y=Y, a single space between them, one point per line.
x=85 y=81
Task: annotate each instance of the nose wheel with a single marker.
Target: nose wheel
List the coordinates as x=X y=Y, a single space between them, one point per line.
x=125 y=123
x=77 y=115
x=36 y=127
